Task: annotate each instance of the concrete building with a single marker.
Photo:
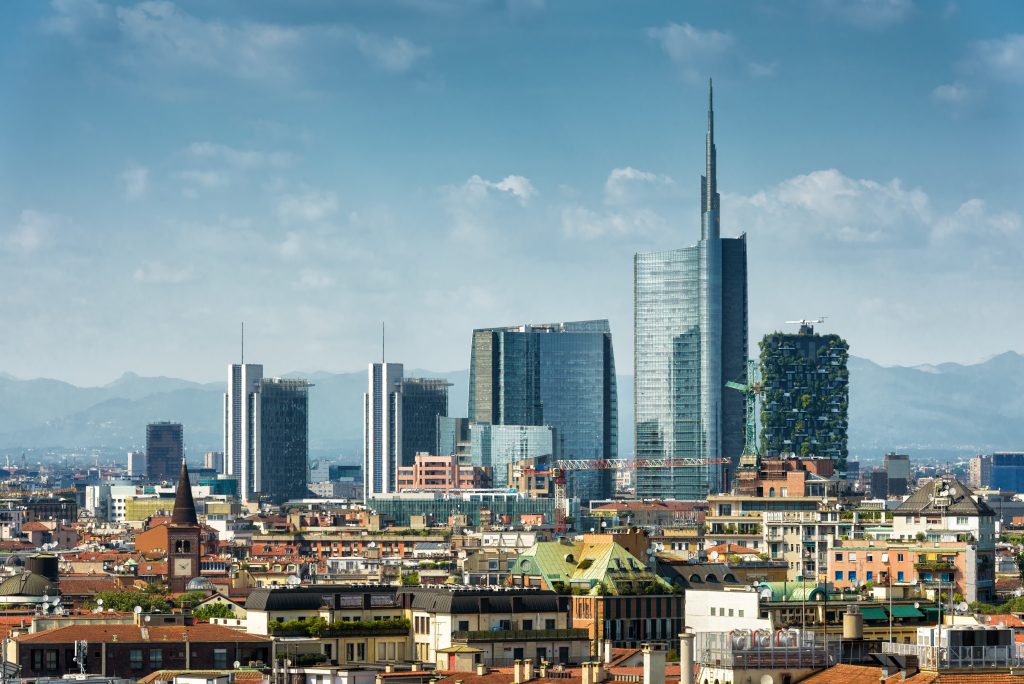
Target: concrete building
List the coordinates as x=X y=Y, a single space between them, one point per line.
x=441 y=472
x=382 y=429
x=424 y=401
x=281 y=440
x=136 y=464
x=897 y=468
x=1007 y=471
x=215 y=461
x=239 y=428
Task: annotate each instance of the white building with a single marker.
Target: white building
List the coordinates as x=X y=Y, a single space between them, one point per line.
x=723 y=608
x=136 y=464
x=382 y=429
x=239 y=441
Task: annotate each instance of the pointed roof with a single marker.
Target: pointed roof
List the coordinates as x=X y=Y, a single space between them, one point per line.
x=184 y=505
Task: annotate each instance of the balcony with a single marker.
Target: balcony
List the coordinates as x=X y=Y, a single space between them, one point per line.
x=934 y=565
x=521 y=635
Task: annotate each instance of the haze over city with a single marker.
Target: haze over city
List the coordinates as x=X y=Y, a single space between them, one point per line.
x=173 y=168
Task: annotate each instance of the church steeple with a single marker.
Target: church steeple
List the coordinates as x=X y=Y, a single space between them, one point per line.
x=709 y=198
x=184 y=505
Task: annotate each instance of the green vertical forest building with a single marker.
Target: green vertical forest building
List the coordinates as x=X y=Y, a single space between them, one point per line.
x=805 y=395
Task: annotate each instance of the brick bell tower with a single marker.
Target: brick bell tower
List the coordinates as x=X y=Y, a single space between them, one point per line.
x=184 y=535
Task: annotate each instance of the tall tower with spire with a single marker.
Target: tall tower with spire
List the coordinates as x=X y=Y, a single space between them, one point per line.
x=690 y=338
x=184 y=536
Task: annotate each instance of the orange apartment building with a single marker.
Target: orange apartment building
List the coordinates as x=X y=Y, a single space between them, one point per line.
x=430 y=472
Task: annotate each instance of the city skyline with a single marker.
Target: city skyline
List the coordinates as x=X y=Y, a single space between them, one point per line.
x=297 y=173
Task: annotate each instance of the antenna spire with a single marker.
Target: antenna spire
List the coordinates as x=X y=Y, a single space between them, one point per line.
x=243 y=343
x=709 y=198
x=382 y=343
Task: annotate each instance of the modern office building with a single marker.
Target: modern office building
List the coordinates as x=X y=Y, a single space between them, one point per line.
x=805 y=395
x=980 y=475
x=1007 y=471
x=690 y=338
x=879 y=483
x=136 y=464
x=214 y=460
x=239 y=445
x=453 y=437
x=897 y=470
x=496 y=446
x=558 y=374
x=164 y=450
x=382 y=429
x=424 y=400
x=281 y=437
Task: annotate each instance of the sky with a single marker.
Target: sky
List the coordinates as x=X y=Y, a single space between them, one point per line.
x=169 y=169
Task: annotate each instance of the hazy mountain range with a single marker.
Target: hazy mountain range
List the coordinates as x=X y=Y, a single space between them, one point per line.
x=946 y=409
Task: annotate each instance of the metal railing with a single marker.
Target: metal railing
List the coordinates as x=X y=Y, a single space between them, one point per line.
x=760 y=650
x=958 y=657
x=521 y=635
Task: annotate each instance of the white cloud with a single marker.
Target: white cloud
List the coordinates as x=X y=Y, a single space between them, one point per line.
x=391 y=54
x=309 y=206
x=158 y=273
x=581 y=223
x=691 y=48
x=627 y=184
x=32 y=232
x=76 y=17
x=519 y=187
x=1000 y=59
x=973 y=219
x=828 y=205
x=311 y=279
x=247 y=159
x=135 y=179
x=196 y=179
x=291 y=246
x=953 y=93
x=867 y=14
x=763 y=69
x=470 y=204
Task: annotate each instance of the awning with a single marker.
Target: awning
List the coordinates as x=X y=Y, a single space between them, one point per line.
x=874 y=613
x=906 y=611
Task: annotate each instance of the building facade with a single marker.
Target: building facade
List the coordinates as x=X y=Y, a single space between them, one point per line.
x=424 y=400
x=382 y=429
x=281 y=417
x=496 y=446
x=441 y=472
x=1007 y=471
x=557 y=374
x=690 y=338
x=805 y=394
x=165 y=446
x=239 y=442
x=897 y=470
x=980 y=473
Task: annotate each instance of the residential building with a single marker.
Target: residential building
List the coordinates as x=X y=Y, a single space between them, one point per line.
x=805 y=394
x=497 y=446
x=382 y=429
x=532 y=477
x=897 y=470
x=690 y=338
x=239 y=427
x=281 y=438
x=1007 y=471
x=502 y=625
x=164 y=450
x=424 y=400
x=132 y=651
x=980 y=473
x=442 y=472
x=215 y=461
x=480 y=507
x=724 y=607
x=556 y=374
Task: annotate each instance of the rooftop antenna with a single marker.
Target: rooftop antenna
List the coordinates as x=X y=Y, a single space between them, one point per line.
x=382 y=343
x=243 y=343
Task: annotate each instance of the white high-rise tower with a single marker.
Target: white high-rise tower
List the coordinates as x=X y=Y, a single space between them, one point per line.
x=239 y=427
x=382 y=429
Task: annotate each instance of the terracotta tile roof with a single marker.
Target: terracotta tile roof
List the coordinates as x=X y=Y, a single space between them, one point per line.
x=133 y=634
x=733 y=550
x=37 y=526
x=169 y=675
x=869 y=674
x=82 y=585
x=620 y=655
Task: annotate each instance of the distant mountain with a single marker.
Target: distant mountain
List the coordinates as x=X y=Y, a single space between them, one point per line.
x=944 y=409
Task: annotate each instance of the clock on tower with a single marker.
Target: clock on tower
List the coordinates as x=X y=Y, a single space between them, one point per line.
x=184 y=536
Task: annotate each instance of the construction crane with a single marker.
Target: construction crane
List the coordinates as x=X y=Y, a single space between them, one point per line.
x=806 y=325
x=560 y=467
x=751 y=390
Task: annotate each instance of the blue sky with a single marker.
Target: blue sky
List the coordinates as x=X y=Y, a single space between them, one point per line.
x=168 y=169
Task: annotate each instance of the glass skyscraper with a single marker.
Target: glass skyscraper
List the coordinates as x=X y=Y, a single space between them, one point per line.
x=424 y=400
x=559 y=374
x=496 y=446
x=281 y=417
x=690 y=338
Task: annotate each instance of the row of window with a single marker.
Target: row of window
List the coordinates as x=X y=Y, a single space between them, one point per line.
x=721 y=612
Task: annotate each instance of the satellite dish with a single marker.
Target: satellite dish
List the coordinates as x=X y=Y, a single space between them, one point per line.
x=767 y=679
x=917 y=604
x=148 y=618
x=99 y=602
x=963 y=607
x=137 y=610
x=237 y=664
x=294 y=581
x=713 y=555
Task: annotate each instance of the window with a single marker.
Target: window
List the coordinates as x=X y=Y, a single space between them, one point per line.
x=961 y=521
x=871 y=558
x=839 y=575
x=463 y=625
x=220 y=659
x=852 y=557
x=885 y=558
x=730 y=612
x=37 y=660
x=135 y=658
x=549 y=623
x=527 y=624
x=839 y=556
x=156 y=658
x=899 y=559
x=851 y=575
x=871 y=576
x=712 y=610
x=51 y=660
x=899 y=576
x=740 y=612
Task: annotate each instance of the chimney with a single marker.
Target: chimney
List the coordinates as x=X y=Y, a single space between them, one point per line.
x=654 y=665
x=685 y=658
x=600 y=674
x=415 y=667
x=607 y=652
x=481 y=669
x=527 y=669
x=389 y=667
x=517 y=672
x=588 y=677
x=542 y=669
